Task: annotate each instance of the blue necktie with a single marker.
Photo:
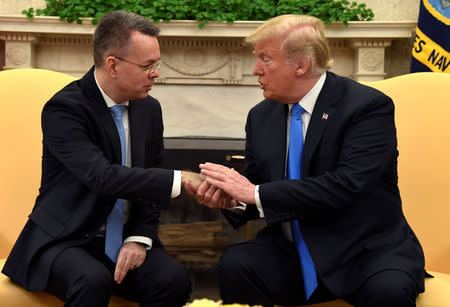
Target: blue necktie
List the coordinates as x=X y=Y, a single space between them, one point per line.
x=114 y=223
x=293 y=172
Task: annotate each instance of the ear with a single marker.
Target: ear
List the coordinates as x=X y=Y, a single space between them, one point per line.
x=303 y=66
x=111 y=66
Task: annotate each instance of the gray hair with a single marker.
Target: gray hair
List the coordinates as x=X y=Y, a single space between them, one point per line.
x=113 y=34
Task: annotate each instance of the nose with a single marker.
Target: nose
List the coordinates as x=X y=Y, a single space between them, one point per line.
x=258 y=70
x=154 y=73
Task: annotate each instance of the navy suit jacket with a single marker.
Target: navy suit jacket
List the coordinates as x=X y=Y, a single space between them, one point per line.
x=348 y=201
x=82 y=177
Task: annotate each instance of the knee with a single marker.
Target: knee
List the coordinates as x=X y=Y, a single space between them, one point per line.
x=177 y=284
x=178 y=280
x=233 y=264
x=394 y=296
x=98 y=282
x=393 y=288
x=98 y=279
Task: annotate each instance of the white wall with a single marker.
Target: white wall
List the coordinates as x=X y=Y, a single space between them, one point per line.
x=393 y=9
x=15 y=7
x=212 y=105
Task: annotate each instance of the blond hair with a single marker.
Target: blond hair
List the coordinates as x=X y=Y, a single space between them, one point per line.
x=303 y=36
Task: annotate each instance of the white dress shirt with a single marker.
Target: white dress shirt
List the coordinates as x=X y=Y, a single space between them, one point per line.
x=307 y=103
x=176 y=185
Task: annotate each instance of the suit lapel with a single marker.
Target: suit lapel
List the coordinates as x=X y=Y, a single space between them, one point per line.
x=100 y=108
x=323 y=112
x=138 y=120
x=278 y=135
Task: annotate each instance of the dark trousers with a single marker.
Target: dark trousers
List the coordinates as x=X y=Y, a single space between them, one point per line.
x=267 y=271
x=84 y=276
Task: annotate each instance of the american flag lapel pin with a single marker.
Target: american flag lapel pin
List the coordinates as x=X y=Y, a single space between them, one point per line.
x=325 y=116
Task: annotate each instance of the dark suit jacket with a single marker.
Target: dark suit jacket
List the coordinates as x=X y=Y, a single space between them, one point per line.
x=348 y=200
x=82 y=178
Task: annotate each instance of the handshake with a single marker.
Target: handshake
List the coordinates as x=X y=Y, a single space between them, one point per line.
x=218 y=186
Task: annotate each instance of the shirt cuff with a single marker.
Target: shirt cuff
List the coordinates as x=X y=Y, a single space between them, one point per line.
x=238 y=209
x=144 y=240
x=241 y=208
x=176 y=185
x=258 y=202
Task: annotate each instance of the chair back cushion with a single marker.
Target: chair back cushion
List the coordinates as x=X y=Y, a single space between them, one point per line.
x=422 y=111
x=23 y=93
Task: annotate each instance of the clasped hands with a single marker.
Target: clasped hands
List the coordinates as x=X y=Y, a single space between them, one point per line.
x=218 y=186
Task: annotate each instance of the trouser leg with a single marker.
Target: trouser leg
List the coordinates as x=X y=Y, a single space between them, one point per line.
x=265 y=271
x=388 y=288
x=79 y=279
x=159 y=282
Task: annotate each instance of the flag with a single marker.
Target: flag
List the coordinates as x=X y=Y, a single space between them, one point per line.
x=431 y=49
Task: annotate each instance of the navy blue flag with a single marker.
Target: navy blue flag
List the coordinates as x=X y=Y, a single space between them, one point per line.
x=431 y=50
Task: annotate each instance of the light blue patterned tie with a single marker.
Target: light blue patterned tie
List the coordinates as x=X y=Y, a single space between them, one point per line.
x=294 y=172
x=114 y=223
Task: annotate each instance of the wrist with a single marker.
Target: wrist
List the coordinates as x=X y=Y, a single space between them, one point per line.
x=184 y=175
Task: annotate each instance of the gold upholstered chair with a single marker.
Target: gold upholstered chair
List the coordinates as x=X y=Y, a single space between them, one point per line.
x=422 y=107
x=23 y=93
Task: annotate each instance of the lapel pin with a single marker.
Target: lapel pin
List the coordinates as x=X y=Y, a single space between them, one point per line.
x=325 y=116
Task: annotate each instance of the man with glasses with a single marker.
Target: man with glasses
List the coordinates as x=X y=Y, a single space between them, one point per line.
x=93 y=229
x=149 y=68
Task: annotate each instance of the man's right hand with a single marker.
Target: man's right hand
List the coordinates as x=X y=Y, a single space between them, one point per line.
x=210 y=196
x=194 y=179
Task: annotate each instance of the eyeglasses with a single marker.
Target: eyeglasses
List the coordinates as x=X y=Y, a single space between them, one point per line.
x=150 y=68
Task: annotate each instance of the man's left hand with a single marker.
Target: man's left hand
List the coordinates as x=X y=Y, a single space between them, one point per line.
x=131 y=256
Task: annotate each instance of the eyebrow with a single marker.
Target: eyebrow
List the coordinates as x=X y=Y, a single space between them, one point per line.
x=262 y=53
x=150 y=62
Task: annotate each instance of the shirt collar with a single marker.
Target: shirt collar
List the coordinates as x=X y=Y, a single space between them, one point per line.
x=109 y=102
x=309 y=100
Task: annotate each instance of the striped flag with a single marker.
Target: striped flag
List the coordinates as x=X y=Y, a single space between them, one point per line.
x=431 y=50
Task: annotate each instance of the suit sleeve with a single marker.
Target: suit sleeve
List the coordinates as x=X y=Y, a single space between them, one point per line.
x=70 y=136
x=367 y=148
x=236 y=220
x=145 y=219
x=157 y=136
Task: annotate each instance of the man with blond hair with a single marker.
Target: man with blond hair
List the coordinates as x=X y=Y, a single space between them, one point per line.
x=321 y=155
